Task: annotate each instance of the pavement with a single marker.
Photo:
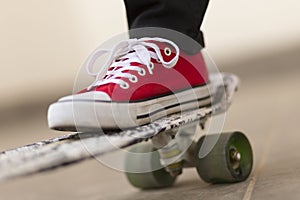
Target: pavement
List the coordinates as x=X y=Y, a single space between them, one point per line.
x=265 y=108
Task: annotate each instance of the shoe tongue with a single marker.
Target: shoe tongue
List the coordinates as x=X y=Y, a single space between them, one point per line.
x=136 y=64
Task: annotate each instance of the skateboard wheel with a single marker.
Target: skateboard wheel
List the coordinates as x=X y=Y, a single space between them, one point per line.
x=229 y=161
x=142 y=164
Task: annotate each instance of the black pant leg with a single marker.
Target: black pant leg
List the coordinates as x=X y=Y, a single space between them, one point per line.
x=184 y=16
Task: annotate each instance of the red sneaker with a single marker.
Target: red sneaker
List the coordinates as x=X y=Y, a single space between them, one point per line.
x=142 y=80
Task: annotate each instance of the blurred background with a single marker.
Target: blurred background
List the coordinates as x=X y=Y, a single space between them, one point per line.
x=43 y=44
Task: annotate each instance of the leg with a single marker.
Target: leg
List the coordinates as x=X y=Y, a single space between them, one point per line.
x=183 y=16
x=143 y=80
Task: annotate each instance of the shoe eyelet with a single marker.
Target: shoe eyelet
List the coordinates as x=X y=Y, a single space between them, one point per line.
x=151 y=65
x=167 y=51
x=124 y=85
x=142 y=72
x=133 y=79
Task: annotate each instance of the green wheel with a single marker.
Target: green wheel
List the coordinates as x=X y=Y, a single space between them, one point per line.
x=230 y=159
x=145 y=178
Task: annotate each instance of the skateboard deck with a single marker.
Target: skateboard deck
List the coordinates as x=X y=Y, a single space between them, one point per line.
x=69 y=149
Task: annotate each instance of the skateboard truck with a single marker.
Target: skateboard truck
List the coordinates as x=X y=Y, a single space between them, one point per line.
x=169 y=152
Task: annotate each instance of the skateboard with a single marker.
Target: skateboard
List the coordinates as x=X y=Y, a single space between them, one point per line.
x=157 y=152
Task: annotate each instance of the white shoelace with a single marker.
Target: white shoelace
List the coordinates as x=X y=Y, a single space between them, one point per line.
x=122 y=55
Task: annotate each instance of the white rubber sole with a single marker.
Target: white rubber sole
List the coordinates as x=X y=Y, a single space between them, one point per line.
x=93 y=114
